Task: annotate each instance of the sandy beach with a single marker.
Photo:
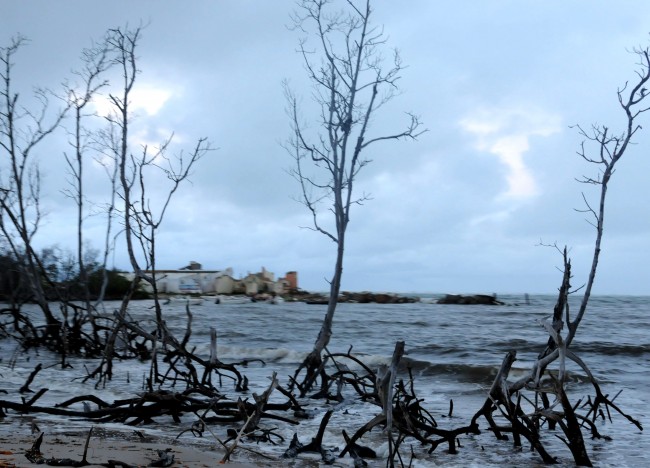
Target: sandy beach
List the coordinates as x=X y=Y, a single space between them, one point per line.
x=118 y=446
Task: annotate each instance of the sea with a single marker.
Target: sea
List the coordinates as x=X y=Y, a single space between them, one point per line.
x=454 y=352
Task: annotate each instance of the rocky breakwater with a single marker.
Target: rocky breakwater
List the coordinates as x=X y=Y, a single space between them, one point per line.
x=353 y=297
x=377 y=298
x=474 y=299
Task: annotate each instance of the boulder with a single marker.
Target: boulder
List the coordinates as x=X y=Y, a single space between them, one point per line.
x=474 y=299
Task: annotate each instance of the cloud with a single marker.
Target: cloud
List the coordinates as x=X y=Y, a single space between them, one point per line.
x=145 y=97
x=510 y=151
x=461 y=209
x=151 y=99
x=506 y=133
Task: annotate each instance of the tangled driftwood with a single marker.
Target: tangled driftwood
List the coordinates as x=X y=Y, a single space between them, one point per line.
x=180 y=383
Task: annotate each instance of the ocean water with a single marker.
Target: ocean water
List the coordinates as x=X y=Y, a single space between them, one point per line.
x=454 y=352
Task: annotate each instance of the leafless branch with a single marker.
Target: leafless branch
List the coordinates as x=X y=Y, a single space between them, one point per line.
x=350 y=81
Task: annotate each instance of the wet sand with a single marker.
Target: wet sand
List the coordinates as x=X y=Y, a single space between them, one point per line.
x=120 y=446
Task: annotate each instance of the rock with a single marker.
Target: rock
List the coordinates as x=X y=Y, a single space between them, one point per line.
x=376 y=298
x=475 y=299
x=364 y=297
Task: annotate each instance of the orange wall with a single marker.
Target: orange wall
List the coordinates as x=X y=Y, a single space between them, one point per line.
x=292 y=279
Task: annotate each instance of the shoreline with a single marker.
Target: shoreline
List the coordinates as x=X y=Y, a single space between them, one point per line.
x=457 y=355
x=122 y=447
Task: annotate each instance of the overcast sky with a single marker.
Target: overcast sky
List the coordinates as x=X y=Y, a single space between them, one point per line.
x=498 y=84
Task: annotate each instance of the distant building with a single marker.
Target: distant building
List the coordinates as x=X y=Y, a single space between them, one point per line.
x=262 y=282
x=226 y=284
x=192 y=279
x=192 y=266
x=291 y=280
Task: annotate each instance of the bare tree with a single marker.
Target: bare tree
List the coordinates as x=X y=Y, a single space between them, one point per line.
x=604 y=149
x=22 y=131
x=350 y=84
x=80 y=95
x=109 y=149
x=140 y=218
x=608 y=149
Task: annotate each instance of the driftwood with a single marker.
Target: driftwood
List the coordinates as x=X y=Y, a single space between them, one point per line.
x=252 y=418
x=315 y=446
x=382 y=395
x=358 y=452
x=34 y=455
x=528 y=423
x=30 y=379
x=526 y=415
x=400 y=409
x=152 y=405
x=180 y=383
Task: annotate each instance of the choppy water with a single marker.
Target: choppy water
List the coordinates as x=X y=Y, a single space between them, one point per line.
x=454 y=351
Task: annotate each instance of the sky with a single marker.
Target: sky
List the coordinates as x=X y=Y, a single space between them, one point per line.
x=469 y=207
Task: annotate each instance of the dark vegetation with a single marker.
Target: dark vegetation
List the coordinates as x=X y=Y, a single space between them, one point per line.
x=14 y=287
x=72 y=321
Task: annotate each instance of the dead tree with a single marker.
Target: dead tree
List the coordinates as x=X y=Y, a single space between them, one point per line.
x=141 y=219
x=549 y=402
x=539 y=399
x=351 y=84
x=608 y=149
x=80 y=95
x=22 y=131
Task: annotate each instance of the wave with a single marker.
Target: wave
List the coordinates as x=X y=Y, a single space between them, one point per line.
x=268 y=355
x=481 y=374
x=469 y=372
x=477 y=347
x=461 y=372
x=612 y=349
x=526 y=346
